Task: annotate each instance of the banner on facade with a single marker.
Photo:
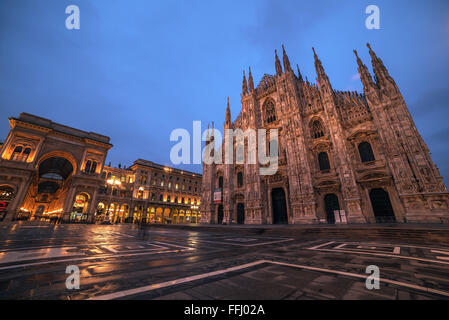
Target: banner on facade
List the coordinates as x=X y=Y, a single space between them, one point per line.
x=217 y=196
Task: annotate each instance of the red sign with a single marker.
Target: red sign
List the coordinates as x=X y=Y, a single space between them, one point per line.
x=3 y=206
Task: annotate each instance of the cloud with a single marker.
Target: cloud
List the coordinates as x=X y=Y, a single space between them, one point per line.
x=355 y=77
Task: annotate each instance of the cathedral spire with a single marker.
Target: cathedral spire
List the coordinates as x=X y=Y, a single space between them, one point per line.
x=244 y=84
x=250 y=81
x=277 y=64
x=299 y=74
x=319 y=69
x=318 y=65
x=383 y=78
x=365 y=76
x=228 y=116
x=287 y=66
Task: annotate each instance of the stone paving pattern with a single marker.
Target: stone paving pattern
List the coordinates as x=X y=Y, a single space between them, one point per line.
x=115 y=258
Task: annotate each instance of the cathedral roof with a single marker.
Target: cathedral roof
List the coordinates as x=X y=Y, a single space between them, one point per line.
x=267 y=81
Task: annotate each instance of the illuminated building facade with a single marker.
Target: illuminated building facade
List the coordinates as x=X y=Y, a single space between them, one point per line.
x=51 y=170
x=346 y=156
x=150 y=192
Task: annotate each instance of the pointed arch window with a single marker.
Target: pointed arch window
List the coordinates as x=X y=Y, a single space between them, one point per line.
x=366 y=152
x=270 y=112
x=323 y=160
x=317 y=129
x=240 y=179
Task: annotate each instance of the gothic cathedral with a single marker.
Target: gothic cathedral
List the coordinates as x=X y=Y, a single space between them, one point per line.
x=344 y=157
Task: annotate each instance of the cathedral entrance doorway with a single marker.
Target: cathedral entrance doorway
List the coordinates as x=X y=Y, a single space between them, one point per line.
x=331 y=204
x=383 y=211
x=279 y=206
x=240 y=213
x=220 y=214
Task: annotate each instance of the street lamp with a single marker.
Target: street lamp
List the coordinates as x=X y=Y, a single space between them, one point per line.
x=112 y=182
x=194 y=207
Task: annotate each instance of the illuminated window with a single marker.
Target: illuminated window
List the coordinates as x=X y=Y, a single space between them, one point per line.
x=20 y=154
x=94 y=167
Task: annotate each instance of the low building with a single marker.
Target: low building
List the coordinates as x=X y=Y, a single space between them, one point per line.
x=150 y=192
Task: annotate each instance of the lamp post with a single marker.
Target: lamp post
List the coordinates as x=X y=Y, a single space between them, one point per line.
x=112 y=182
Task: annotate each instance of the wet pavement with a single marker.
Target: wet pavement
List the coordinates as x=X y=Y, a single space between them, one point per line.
x=119 y=262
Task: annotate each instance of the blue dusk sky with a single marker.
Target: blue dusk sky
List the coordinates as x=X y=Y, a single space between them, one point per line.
x=136 y=70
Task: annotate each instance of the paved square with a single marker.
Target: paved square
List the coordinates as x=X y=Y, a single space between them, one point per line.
x=120 y=262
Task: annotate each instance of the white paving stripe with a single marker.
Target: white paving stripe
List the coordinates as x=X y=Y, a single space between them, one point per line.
x=246 y=245
x=322 y=245
x=151 y=287
x=383 y=255
x=439 y=251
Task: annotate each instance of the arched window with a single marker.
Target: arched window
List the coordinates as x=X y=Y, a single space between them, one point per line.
x=109 y=175
x=103 y=175
x=270 y=112
x=323 y=160
x=317 y=129
x=366 y=152
x=20 y=153
x=220 y=183
x=26 y=154
x=88 y=165
x=16 y=154
x=94 y=167
x=239 y=179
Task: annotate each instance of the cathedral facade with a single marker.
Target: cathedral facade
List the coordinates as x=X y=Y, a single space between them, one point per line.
x=344 y=157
